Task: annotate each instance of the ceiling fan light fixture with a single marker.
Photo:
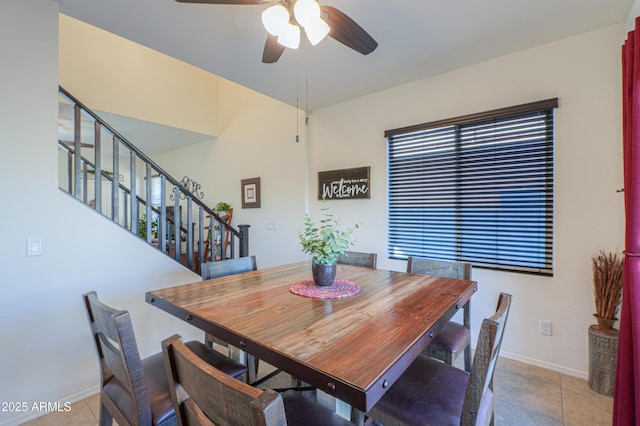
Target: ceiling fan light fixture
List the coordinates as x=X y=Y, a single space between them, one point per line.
x=290 y=36
x=275 y=19
x=317 y=31
x=306 y=12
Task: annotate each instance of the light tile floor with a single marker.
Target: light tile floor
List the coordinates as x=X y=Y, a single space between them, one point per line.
x=525 y=395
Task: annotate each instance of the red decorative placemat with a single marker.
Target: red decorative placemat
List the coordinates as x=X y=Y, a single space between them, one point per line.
x=339 y=289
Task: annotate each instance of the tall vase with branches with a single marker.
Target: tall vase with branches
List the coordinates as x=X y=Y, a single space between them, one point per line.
x=607 y=286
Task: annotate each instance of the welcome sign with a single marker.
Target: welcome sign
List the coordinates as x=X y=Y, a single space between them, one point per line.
x=344 y=184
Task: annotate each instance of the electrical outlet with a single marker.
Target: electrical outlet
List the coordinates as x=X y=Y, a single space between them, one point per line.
x=545 y=328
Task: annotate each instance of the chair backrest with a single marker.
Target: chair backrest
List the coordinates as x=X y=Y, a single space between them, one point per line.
x=227 y=267
x=357 y=258
x=439 y=268
x=203 y=395
x=484 y=362
x=119 y=357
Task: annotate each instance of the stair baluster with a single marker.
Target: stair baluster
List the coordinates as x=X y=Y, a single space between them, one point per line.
x=125 y=203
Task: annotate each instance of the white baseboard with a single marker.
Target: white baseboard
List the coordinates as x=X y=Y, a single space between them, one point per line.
x=547 y=365
x=23 y=417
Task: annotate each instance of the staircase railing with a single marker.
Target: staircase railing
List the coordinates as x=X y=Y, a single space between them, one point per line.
x=136 y=193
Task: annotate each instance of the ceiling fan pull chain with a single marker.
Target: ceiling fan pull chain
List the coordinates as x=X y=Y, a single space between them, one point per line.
x=297 y=98
x=306 y=74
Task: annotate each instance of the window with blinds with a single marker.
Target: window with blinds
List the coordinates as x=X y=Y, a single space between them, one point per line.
x=156 y=192
x=477 y=189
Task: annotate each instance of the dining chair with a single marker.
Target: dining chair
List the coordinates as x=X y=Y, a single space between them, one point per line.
x=209 y=251
x=432 y=393
x=203 y=395
x=454 y=338
x=222 y=268
x=135 y=391
x=357 y=258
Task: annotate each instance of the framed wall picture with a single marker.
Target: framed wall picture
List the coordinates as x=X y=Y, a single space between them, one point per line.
x=250 y=193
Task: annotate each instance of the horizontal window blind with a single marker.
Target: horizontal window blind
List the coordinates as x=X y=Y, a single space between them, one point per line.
x=477 y=189
x=156 y=192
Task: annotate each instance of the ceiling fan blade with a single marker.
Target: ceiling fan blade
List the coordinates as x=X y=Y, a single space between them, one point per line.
x=222 y=1
x=347 y=32
x=272 y=50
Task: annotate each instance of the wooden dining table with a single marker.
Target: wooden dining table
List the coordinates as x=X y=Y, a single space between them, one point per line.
x=353 y=348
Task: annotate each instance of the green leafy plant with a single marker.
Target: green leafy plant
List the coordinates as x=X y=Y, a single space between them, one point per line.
x=325 y=242
x=222 y=207
x=142 y=227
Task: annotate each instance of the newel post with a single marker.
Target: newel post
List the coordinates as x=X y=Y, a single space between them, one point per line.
x=244 y=240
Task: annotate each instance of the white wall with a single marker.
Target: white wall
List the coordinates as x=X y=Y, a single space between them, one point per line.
x=47 y=352
x=256 y=139
x=584 y=73
x=150 y=86
x=631 y=19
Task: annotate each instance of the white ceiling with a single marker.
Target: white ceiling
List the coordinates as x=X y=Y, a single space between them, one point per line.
x=417 y=39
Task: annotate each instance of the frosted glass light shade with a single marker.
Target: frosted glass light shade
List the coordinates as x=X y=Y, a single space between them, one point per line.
x=290 y=36
x=306 y=12
x=275 y=19
x=316 y=31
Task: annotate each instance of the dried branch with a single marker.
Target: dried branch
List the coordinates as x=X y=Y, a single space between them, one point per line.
x=607 y=283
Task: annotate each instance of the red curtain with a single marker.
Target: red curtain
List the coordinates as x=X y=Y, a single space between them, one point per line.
x=626 y=405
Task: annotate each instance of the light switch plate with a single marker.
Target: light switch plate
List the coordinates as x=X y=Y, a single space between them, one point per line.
x=545 y=328
x=34 y=247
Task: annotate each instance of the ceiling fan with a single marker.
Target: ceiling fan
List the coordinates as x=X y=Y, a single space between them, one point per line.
x=285 y=17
